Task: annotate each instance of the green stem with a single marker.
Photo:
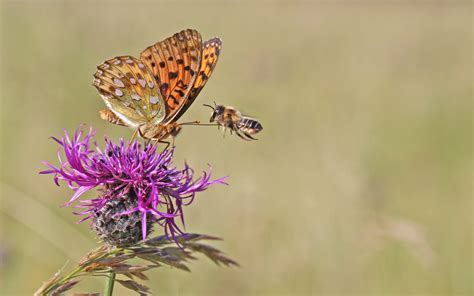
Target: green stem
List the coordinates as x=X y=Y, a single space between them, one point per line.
x=109 y=286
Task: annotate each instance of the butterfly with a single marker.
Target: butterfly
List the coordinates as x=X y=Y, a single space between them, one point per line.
x=152 y=92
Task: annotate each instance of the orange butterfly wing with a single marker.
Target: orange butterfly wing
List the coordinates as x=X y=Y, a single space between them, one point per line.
x=210 y=54
x=175 y=63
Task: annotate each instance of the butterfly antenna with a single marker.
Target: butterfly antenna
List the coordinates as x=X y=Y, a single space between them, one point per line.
x=197 y=122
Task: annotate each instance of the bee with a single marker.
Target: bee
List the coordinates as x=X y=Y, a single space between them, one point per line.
x=231 y=118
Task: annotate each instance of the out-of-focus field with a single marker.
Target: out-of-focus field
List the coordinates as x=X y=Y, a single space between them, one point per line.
x=360 y=183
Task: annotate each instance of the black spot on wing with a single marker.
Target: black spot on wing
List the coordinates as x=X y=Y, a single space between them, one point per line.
x=175 y=101
x=164 y=87
x=203 y=76
x=180 y=92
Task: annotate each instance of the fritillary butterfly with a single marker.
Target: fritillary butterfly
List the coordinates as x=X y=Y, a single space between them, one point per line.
x=151 y=93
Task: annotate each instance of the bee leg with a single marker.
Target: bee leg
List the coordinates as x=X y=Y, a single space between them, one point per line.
x=241 y=135
x=249 y=136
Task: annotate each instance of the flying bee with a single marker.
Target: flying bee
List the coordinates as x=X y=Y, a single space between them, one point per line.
x=231 y=118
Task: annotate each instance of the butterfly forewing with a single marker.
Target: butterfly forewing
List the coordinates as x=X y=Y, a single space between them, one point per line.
x=209 y=56
x=129 y=89
x=175 y=62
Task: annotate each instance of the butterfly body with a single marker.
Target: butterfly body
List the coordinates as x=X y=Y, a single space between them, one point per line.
x=159 y=132
x=231 y=118
x=151 y=93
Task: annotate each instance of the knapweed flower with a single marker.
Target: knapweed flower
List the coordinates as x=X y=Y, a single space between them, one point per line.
x=138 y=186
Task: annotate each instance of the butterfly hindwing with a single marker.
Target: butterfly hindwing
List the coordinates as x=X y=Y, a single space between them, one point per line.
x=174 y=63
x=128 y=88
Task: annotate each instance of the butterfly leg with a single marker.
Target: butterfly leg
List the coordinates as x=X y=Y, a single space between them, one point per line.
x=165 y=142
x=158 y=140
x=134 y=135
x=155 y=143
x=147 y=141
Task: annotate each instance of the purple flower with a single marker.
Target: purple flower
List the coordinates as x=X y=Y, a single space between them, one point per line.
x=159 y=190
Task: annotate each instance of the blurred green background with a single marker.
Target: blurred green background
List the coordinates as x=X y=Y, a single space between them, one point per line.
x=360 y=183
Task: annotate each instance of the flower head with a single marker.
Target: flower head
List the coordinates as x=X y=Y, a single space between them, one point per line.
x=147 y=182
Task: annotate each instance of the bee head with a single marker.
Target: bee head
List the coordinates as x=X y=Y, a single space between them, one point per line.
x=218 y=110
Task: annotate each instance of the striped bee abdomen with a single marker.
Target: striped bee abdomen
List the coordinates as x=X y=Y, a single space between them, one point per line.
x=249 y=125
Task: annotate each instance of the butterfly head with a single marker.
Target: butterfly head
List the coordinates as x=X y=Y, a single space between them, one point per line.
x=173 y=129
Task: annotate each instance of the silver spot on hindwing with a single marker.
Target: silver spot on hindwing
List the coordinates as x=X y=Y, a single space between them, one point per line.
x=118 y=82
x=136 y=97
x=154 y=100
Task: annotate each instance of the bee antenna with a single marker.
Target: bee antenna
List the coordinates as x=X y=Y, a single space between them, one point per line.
x=209 y=106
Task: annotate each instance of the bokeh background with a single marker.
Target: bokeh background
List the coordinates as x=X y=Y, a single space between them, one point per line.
x=360 y=183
